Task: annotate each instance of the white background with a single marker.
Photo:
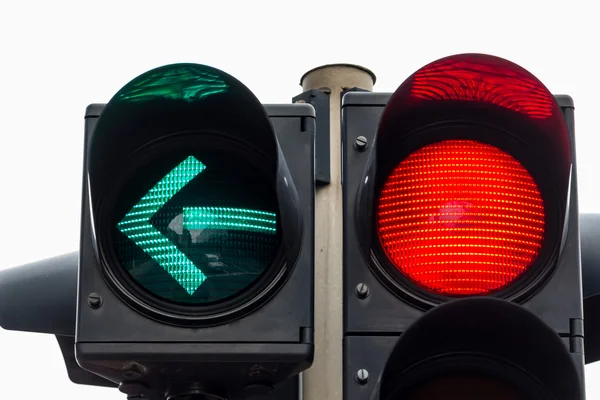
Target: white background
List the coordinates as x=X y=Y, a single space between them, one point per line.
x=57 y=57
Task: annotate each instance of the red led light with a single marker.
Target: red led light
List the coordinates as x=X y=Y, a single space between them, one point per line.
x=460 y=217
x=483 y=80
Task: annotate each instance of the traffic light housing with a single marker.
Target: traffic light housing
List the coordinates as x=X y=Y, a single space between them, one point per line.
x=196 y=257
x=381 y=305
x=590 y=265
x=460 y=220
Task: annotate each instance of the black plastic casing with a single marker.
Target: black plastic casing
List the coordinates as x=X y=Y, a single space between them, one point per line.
x=269 y=345
x=590 y=262
x=372 y=325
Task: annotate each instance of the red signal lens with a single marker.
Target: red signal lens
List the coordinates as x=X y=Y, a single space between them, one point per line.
x=460 y=217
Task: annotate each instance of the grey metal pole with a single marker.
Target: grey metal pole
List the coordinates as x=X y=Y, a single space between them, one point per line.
x=323 y=381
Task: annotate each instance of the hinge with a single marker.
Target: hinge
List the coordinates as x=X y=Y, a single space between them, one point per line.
x=576 y=335
x=319 y=99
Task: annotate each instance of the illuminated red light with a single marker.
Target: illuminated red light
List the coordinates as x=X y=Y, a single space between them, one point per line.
x=460 y=217
x=483 y=80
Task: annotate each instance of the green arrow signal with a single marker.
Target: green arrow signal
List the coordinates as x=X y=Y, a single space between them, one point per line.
x=137 y=227
x=241 y=219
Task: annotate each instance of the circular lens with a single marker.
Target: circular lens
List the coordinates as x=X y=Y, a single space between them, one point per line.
x=460 y=217
x=196 y=228
x=465 y=387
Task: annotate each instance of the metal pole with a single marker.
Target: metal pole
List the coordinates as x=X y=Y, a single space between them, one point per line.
x=323 y=381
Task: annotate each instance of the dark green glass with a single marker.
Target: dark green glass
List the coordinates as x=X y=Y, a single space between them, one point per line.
x=188 y=82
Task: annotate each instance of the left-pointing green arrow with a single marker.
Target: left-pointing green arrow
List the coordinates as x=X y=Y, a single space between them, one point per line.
x=137 y=227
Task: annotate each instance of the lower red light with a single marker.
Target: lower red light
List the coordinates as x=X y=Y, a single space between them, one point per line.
x=460 y=217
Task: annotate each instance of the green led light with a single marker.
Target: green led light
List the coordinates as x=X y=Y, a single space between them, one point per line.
x=188 y=82
x=229 y=218
x=197 y=232
x=137 y=227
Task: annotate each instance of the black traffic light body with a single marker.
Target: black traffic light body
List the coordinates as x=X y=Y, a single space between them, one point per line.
x=590 y=262
x=385 y=330
x=378 y=310
x=227 y=348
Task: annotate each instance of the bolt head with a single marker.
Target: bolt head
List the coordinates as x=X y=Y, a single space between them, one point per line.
x=133 y=370
x=362 y=291
x=95 y=300
x=361 y=376
x=361 y=143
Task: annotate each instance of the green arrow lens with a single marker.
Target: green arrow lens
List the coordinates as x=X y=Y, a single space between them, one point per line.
x=196 y=229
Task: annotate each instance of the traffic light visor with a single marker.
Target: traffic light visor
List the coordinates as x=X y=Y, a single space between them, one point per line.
x=172 y=100
x=477 y=89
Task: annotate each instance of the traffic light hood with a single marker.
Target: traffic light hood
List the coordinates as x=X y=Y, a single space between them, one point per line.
x=475 y=90
x=482 y=335
x=175 y=99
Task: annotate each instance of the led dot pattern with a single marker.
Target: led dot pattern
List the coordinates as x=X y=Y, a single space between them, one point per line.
x=460 y=218
x=137 y=227
x=196 y=230
x=238 y=219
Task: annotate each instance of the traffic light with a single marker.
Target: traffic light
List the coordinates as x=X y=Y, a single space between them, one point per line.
x=462 y=274
x=194 y=279
x=196 y=256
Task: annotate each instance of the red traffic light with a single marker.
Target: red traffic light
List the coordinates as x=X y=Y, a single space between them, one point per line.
x=460 y=217
x=463 y=203
x=461 y=241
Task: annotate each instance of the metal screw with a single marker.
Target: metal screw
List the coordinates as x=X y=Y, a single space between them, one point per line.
x=362 y=376
x=94 y=300
x=362 y=291
x=133 y=371
x=361 y=143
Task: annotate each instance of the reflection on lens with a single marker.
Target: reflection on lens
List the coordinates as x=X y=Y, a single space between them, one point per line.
x=197 y=229
x=464 y=387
